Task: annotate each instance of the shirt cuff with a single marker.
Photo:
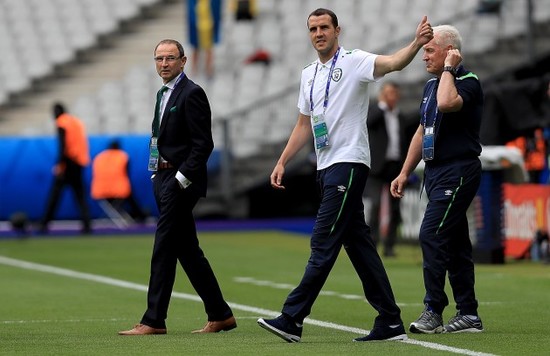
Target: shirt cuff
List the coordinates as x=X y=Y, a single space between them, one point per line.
x=184 y=182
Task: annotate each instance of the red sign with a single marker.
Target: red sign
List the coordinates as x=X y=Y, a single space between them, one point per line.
x=526 y=210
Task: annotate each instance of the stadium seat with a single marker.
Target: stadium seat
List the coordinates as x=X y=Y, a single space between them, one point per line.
x=62 y=28
x=125 y=9
x=58 y=30
x=541 y=10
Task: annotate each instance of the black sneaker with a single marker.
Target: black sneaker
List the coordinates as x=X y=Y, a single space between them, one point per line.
x=428 y=323
x=386 y=332
x=464 y=324
x=283 y=327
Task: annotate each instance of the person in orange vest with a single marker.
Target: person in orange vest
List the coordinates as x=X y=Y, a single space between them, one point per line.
x=533 y=149
x=74 y=156
x=111 y=182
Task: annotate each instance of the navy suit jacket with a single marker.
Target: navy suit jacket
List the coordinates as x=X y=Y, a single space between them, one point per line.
x=185 y=135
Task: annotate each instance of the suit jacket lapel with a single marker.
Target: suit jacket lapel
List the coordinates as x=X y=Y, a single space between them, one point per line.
x=171 y=101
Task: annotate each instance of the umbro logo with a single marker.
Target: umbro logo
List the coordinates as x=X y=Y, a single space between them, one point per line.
x=341 y=188
x=448 y=192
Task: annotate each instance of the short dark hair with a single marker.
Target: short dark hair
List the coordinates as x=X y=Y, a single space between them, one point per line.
x=174 y=42
x=320 y=12
x=58 y=109
x=114 y=145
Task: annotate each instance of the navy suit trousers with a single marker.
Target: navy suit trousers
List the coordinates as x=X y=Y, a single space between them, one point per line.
x=176 y=240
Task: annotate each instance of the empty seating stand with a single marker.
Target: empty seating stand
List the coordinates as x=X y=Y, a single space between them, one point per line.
x=59 y=29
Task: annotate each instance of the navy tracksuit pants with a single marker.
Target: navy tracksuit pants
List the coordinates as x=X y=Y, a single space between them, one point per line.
x=444 y=235
x=341 y=222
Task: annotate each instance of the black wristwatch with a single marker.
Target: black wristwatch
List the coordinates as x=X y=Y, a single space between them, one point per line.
x=450 y=69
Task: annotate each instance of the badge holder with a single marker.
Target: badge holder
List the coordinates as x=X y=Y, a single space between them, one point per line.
x=428 y=143
x=153 y=155
x=320 y=131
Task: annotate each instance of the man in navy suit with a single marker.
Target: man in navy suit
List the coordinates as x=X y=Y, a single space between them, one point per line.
x=389 y=139
x=180 y=145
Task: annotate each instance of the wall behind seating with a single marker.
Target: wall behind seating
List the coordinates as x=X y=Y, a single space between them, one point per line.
x=26 y=175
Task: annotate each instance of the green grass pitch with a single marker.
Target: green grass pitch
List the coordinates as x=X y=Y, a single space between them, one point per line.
x=70 y=296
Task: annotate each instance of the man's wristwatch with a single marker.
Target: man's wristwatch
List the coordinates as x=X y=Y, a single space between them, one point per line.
x=450 y=69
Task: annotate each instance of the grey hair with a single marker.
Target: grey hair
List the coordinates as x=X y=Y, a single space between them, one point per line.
x=448 y=35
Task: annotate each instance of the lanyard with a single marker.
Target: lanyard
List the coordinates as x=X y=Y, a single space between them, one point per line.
x=160 y=101
x=428 y=107
x=180 y=76
x=325 y=102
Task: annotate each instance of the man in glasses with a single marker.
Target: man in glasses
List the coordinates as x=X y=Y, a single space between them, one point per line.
x=181 y=142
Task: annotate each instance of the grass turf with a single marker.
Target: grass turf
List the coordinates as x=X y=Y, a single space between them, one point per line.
x=43 y=313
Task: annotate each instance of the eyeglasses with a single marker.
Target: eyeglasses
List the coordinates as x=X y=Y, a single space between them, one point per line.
x=168 y=59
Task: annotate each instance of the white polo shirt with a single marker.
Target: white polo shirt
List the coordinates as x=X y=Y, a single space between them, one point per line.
x=348 y=104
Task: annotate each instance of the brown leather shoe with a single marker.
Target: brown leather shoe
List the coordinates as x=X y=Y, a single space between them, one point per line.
x=217 y=326
x=142 y=329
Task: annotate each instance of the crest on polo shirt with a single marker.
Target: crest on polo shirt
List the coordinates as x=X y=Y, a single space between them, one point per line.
x=337 y=74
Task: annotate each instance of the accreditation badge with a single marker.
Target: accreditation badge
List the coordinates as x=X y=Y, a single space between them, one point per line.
x=153 y=155
x=320 y=131
x=428 y=143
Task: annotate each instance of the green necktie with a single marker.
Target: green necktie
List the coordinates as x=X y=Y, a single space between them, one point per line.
x=156 y=118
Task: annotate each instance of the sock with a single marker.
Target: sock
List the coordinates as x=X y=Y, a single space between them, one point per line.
x=432 y=309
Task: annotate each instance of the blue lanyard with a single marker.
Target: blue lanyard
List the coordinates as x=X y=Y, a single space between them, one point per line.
x=158 y=107
x=180 y=76
x=429 y=107
x=325 y=102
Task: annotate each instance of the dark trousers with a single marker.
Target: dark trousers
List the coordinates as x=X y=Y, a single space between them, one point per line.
x=71 y=177
x=444 y=235
x=176 y=240
x=341 y=222
x=374 y=189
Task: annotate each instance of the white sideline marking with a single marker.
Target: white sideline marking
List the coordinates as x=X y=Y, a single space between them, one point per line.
x=139 y=287
x=275 y=285
x=271 y=284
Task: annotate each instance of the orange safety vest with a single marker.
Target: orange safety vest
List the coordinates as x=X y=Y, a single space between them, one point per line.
x=535 y=159
x=76 y=142
x=110 y=176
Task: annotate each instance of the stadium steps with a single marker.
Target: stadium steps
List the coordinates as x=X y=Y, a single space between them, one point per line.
x=508 y=55
x=30 y=113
